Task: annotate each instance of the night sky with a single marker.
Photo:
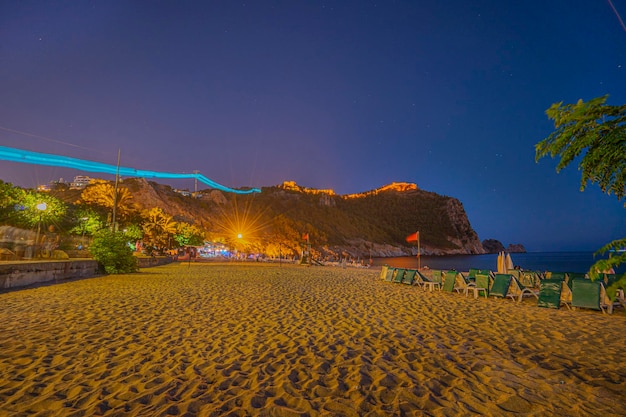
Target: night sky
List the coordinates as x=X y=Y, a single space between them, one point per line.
x=348 y=95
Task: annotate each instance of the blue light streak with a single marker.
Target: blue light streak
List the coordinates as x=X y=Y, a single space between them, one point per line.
x=37 y=158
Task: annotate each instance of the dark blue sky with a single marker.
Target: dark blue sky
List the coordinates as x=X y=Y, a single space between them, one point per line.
x=349 y=95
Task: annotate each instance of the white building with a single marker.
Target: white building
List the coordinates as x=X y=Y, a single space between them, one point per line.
x=80 y=181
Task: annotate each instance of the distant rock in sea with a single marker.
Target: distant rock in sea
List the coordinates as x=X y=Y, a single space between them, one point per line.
x=492 y=246
x=516 y=248
x=495 y=246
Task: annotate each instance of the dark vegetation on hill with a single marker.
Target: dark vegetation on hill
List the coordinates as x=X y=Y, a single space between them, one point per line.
x=385 y=218
x=375 y=223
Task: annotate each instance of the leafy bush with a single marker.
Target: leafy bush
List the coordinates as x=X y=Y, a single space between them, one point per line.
x=112 y=252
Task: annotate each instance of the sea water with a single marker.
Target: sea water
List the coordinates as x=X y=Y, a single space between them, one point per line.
x=534 y=261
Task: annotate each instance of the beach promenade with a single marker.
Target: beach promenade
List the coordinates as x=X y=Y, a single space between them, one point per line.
x=262 y=340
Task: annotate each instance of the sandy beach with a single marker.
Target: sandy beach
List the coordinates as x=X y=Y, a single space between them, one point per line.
x=263 y=340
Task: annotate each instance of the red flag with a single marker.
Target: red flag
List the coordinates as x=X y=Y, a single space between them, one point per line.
x=413 y=237
x=305 y=236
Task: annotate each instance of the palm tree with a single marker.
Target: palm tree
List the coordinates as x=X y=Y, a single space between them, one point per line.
x=101 y=193
x=158 y=227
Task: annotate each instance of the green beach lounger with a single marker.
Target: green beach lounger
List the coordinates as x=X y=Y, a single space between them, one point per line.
x=590 y=294
x=500 y=286
x=471 y=275
x=449 y=281
x=409 y=276
x=586 y=294
x=437 y=276
x=428 y=283
x=390 y=272
x=556 y=275
x=575 y=275
x=397 y=278
x=550 y=293
x=610 y=279
x=515 y=272
x=530 y=279
x=486 y=272
x=463 y=284
x=518 y=290
x=481 y=287
x=420 y=279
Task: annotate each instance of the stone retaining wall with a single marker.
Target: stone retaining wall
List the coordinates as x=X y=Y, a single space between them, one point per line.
x=145 y=262
x=20 y=274
x=16 y=274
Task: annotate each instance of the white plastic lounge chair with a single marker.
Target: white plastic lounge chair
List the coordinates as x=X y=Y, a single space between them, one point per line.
x=481 y=286
x=517 y=290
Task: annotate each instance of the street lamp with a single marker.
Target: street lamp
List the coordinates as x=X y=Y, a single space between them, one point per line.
x=239 y=236
x=41 y=207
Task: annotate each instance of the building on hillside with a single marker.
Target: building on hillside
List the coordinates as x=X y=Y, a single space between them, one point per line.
x=186 y=193
x=292 y=186
x=79 y=182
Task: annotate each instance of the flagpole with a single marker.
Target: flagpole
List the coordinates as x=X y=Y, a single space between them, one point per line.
x=117 y=178
x=419 y=260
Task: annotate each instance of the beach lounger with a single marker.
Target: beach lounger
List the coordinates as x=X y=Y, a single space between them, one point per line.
x=550 y=293
x=463 y=284
x=486 y=272
x=530 y=279
x=449 y=280
x=399 y=275
x=383 y=271
x=409 y=276
x=518 y=290
x=610 y=280
x=590 y=294
x=390 y=272
x=480 y=287
x=566 y=294
x=471 y=275
x=556 y=275
x=419 y=279
x=516 y=273
x=575 y=275
x=500 y=286
x=611 y=302
x=428 y=283
x=468 y=278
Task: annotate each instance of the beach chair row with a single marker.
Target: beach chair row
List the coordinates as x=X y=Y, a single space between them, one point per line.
x=579 y=293
x=434 y=281
x=572 y=290
x=576 y=290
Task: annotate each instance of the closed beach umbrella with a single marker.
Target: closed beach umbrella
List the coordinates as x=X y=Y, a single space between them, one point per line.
x=509 y=262
x=500 y=264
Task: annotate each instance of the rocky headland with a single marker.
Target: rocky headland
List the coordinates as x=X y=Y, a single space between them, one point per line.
x=373 y=223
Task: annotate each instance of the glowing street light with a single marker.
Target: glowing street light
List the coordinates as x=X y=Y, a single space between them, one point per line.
x=41 y=207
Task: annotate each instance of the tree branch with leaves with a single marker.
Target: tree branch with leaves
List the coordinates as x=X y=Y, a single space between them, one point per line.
x=595 y=132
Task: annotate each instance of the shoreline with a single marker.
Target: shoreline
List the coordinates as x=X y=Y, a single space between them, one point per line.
x=259 y=339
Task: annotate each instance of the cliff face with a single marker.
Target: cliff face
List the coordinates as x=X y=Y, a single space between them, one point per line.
x=374 y=223
x=465 y=237
x=401 y=209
